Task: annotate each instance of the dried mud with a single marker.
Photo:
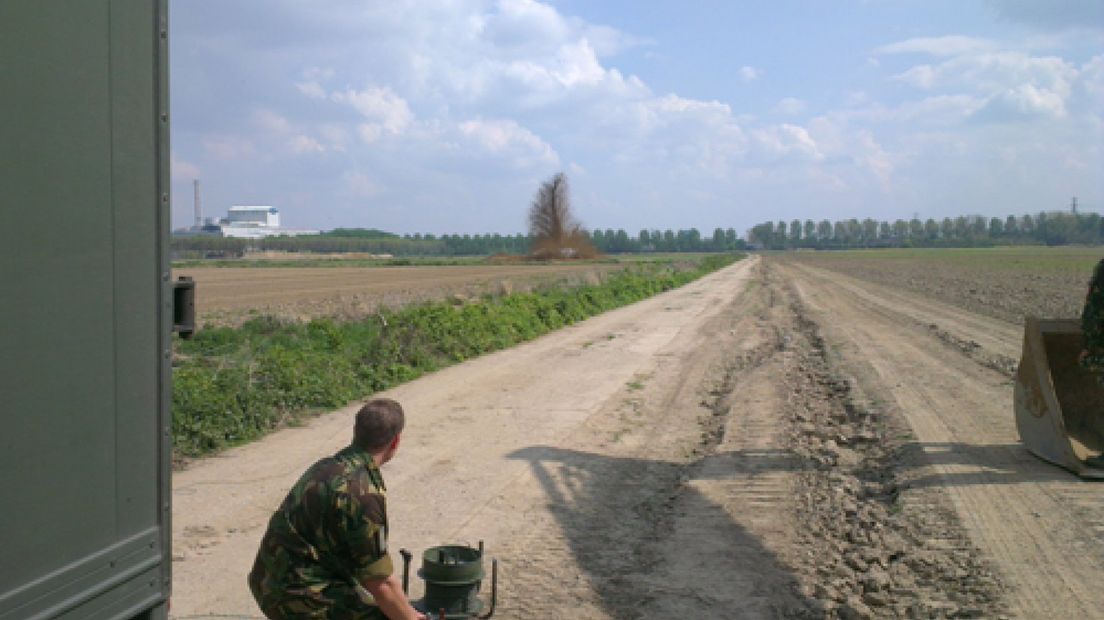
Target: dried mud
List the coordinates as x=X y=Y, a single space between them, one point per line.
x=867 y=544
x=876 y=546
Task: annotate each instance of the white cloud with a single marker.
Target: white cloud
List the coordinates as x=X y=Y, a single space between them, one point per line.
x=228 y=147
x=938 y=46
x=676 y=133
x=1092 y=82
x=995 y=71
x=579 y=65
x=936 y=110
x=306 y=144
x=504 y=137
x=921 y=76
x=785 y=142
x=336 y=135
x=369 y=132
x=573 y=72
x=672 y=103
x=386 y=111
x=271 y=122
x=852 y=158
x=790 y=106
x=525 y=24
x=1024 y=100
x=869 y=154
x=749 y=74
x=313 y=90
x=1013 y=83
x=183 y=169
x=358 y=184
x=609 y=41
x=315 y=74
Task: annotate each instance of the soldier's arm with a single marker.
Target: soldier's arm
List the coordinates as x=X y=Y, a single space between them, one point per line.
x=367 y=543
x=391 y=599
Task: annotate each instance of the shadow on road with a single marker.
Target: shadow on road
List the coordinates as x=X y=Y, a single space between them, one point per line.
x=988 y=464
x=652 y=545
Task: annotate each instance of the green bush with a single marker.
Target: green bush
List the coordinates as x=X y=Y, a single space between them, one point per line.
x=232 y=385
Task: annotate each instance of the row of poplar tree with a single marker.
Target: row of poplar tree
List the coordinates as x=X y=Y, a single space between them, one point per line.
x=1049 y=228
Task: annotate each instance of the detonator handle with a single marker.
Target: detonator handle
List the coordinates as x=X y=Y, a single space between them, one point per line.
x=494 y=590
x=406 y=556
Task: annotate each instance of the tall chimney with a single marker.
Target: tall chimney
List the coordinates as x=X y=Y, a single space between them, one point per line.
x=198 y=210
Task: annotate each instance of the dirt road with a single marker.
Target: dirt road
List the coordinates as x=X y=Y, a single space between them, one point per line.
x=947 y=372
x=769 y=441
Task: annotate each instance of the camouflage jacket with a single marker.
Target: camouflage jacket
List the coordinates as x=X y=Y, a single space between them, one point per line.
x=329 y=533
x=1092 y=322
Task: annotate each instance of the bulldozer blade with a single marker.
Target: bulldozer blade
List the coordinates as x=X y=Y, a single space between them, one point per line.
x=1059 y=404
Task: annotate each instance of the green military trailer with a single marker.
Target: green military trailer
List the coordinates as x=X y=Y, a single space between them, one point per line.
x=85 y=310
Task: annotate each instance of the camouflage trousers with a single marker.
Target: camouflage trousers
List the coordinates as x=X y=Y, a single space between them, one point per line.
x=336 y=602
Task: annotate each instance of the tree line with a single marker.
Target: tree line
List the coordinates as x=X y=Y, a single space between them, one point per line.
x=1045 y=228
x=335 y=242
x=685 y=240
x=607 y=241
x=1053 y=228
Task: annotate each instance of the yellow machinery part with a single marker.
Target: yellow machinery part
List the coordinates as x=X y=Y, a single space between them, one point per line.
x=1059 y=404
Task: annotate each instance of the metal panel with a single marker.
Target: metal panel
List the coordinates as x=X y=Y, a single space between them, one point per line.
x=79 y=585
x=83 y=375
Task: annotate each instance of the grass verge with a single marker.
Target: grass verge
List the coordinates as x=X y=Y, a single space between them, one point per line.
x=232 y=385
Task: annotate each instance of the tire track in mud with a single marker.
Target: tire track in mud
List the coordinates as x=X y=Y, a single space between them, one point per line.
x=729 y=546
x=975 y=336
x=668 y=505
x=1034 y=523
x=790 y=501
x=877 y=551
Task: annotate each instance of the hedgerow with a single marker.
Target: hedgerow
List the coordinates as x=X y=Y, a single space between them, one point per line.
x=231 y=385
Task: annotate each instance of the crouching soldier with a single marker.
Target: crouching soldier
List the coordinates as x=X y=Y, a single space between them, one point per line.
x=324 y=555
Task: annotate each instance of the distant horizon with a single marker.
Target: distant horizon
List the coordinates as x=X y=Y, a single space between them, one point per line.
x=634 y=232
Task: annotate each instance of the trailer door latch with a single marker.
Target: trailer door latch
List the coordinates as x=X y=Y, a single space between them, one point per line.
x=184 y=307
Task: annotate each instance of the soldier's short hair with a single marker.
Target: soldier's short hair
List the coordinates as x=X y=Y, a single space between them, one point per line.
x=378 y=422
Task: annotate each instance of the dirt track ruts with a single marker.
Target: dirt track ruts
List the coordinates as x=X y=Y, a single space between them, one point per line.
x=770 y=441
x=1041 y=527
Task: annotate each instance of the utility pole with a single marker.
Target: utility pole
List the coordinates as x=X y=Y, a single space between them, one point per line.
x=198 y=209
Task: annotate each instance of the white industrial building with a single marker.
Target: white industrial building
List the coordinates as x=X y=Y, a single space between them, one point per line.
x=260 y=215
x=247 y=222
x=251 y=222
x=241 y=221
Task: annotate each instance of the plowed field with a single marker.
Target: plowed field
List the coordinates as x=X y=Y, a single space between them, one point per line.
x=229 y=295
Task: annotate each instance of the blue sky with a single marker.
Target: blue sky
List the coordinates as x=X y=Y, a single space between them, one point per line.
x=443 y=117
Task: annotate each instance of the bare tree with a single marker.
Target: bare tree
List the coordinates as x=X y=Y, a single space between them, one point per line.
x=556 y=233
